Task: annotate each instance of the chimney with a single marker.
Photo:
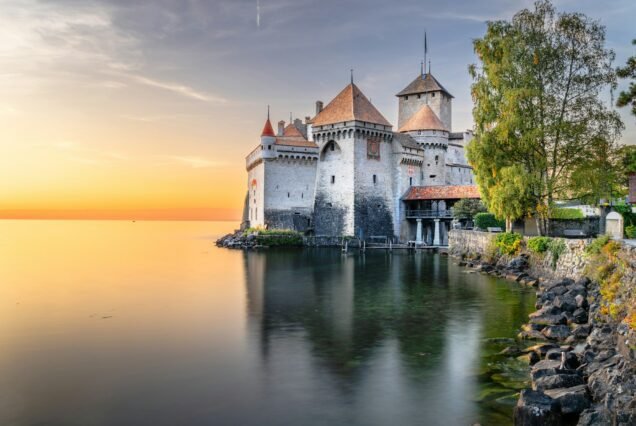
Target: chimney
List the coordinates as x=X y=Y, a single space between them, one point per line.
x=298 y=123
x=281 y=127
x=307 y=118
x=318 y=107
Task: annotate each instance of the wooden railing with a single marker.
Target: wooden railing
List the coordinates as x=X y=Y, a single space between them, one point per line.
x=429 y=214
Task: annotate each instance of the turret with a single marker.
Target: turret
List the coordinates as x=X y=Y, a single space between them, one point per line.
x=425 y=90
x=268 y=137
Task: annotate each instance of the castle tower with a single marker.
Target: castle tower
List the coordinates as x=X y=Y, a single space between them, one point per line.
x=432 y=135
x=353 y=182
x=425 y=90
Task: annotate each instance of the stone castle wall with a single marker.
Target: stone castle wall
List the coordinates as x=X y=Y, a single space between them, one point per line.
x=373 y=215
x=333 y=205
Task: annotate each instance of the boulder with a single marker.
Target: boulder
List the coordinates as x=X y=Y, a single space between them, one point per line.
x=541 y=348
x=572 y=400
x=595 y=417
x=565 y=303
x=556 y=332
x=581 y=301
x=548 y=367
x=535 y=408
x=557 y=381
x=581 y=331
x=519 y=263
x=579 y=316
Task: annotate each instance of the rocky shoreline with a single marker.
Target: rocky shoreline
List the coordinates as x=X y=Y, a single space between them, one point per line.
x=237 y=240
x=582 y=365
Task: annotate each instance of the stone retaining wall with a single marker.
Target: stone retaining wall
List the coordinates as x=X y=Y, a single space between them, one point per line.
x=569 y=265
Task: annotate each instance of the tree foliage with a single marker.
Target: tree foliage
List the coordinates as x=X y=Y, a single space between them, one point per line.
x=628 y=97
x=538 y=117
x=467 y=208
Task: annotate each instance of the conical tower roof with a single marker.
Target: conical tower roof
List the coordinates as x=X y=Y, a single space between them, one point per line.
x=423 y=119
x=422 y=84
x=268 y=130
x=350 y=105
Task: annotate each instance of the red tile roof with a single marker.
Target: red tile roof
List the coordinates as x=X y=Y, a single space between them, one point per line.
x=293 y=131
x=423 y=119
x=295 y=141
x=267 y=129
x=441 y=192
x=349 y=105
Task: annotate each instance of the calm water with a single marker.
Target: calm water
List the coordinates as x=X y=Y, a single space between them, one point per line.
x=147 y=323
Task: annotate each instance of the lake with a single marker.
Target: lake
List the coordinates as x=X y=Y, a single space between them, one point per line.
x=148 y=323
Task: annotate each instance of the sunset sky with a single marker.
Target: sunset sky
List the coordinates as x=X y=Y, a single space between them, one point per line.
x=146 y=109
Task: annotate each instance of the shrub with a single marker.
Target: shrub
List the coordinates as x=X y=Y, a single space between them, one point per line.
x=284 y=237
x=566 y=213
x=556 y=248
x=488 y=220
x=467 y=208
x=596 y=245
x=630 y=231
x=508 y=243
x=539 y=244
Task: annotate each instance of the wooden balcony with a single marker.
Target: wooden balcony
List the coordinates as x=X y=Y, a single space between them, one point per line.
x=429 y=214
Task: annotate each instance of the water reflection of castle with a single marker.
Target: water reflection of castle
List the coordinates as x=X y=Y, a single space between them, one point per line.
x=409 y=324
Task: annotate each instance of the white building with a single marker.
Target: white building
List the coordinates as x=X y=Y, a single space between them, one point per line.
x=347 y=173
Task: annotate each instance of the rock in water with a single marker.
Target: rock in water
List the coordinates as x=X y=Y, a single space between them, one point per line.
x=558 y=381
x=535 y=408
x=556 y=332
x=571 y=400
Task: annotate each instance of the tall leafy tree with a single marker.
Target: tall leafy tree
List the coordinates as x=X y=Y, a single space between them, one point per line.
x=537 y=106
x=628 y=97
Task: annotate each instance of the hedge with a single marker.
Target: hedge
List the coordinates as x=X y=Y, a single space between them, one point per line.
x=566 y=213
x=488 y=220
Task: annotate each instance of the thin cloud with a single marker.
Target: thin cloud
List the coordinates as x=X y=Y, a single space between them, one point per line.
x=178 y=88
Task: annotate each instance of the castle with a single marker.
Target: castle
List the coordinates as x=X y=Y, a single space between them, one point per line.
x=345 y=172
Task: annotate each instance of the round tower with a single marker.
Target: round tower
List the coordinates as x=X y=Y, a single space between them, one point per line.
x=429 y=131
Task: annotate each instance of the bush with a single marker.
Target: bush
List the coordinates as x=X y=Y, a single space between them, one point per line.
x=556 y=248
x=276 y=237
x=508 y=243
x=566 y=213
x=467 y=208
x=630 y=231
x=488 y=220
x=595 y=246
x=539 y=244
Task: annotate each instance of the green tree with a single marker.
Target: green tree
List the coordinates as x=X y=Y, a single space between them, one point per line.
x=628 y=97
x=537 y=106
x=467 y=208
x=508 y=197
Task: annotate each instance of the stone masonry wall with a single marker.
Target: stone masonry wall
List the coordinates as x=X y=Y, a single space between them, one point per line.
x=569 y=265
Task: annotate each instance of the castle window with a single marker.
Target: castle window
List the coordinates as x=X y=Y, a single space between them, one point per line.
x=433 y=94
x=302 y=195
x=288 y=195
x=269 y=147
x=406 y=98
x=375 y=179
x=410 y=181
x=332 y=146
x=436 y=159
x=329 y=205
x=432 y=176
x=419 y=96
x=333 y=179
